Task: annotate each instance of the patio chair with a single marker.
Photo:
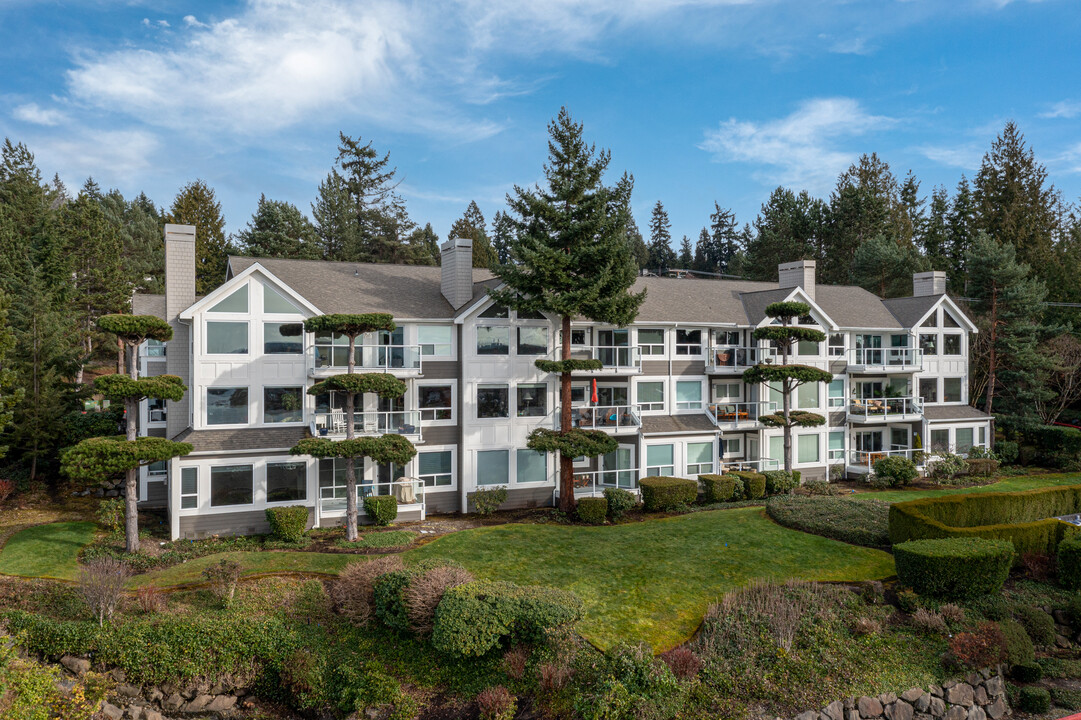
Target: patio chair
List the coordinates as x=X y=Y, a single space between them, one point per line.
x=337 y=421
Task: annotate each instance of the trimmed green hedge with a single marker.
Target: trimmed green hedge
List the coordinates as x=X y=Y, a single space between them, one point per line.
x=718 y=488
x=754 y=484
x=967 y=567
x=382 y=509
x=1069 y=562
x=779 y=482
x=660 y=493
x=1025 y=518
x=619 y=502
x=592 y=510
x=288 y=523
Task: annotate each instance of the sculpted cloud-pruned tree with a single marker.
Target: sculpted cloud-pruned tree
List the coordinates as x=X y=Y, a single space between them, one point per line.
x=101 y=457
x=788 y=377
x=571 y=259
x=384 y=449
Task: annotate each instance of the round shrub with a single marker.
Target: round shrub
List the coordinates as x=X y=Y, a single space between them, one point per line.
x=389 y=601
x=954 y=567
x=1035 y=700
x=382 y=509
x=719 y=488
x=593 y=510
x=1016 y=643
x=424 y=592
x=667 y=493
x=754 y=486
x=619 y=502
x=896 y=471
x=288 y=524
x=487 y=500
x=1027 y=672
x=1073 y=611
x=1006 y=451
x=1039 y=625
x=908 y=601
x=1069 y=561
x=779 y=482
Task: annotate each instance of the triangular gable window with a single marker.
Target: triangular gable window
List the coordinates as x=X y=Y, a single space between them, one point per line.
x=235 y=303
x=948 y=320
x=496 y=311
x=275 y=302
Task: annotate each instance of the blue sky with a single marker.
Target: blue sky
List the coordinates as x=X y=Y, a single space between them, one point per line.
x=701 y=100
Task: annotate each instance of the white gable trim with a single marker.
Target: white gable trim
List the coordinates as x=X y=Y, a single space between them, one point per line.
x=798 y=295
x=232 y=283
x=957 y=312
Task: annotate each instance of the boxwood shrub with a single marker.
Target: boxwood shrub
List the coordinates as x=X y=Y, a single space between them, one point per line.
x=779 y=482
x=1034 y=699
x=718 y=488
x=896 y=471
x=382 y=509
x=619 y=502
x=660 y=493
x=1069 y=562
x=954 y=567
x=754 y=484
x=1038 y=624
x=288 y=523
x=387 y=594
x=593 y=510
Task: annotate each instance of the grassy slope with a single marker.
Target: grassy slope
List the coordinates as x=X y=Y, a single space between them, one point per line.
x=653 y=581
x=1012 y=484
x=254 y=563
x=49 y=551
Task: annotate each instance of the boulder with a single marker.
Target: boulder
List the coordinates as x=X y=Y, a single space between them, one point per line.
x=957 y=713
x=994 y=686
x=149 y=714
x=960 y=694
x=997 y=709
x=852 y=714
x=222 y=703
x=886 y=698
x=77 y=666
x=155 y=696
x=976 y=713
x=173 y=703
x=807 y=715
x=911 y=696
x=869 y=707
x=835 y=710
x=128 y=691
x=1062 y=641
x=923 y=703
x=938 y=707
x=111 y=712
x=198 y=704
x=899 y=710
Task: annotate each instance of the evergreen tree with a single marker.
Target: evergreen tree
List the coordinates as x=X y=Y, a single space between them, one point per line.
x=279 y=230
x=961 y=224
x=661 y=255
x=141 y=231
x=702 y=251
x=637 y=244
x=573 y=261
x=724 y=240
x=686 y=254
x=335 y=224
x=472 y=225
x=502 y=235
x=10 y=392
x=935 y=238
x=789 y=227
x=910 y=222
x=196 y=204
x=26 y=213
x=885 y=268
x=423 y=246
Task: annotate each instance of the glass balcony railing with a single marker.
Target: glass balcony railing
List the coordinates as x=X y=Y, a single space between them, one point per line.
x=604 y=417
x=884 y=409
x=736 y=359
x=736 y=413
x=331 y=359
x=397 y=422
x=595 y=481
x=623 y=358
x=895 y=358
x=407 y=491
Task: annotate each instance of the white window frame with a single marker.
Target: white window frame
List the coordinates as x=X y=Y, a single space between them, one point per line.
x=151 y=473
x=281 y=423
x=717 y=397
x=835 y=350
x=254 y=486
x=961 y=382
x=703 y=335
x=184 y=496
x=687 y=406
x=453 y=450
x=225 y=319
x=840 y=453
x=453 y=402
x=738 y=446
x=832 y=401
x=514 y=471
x=652 y=353
x=660 y=468
x=709 y=467
x=206 y=406
x=448 y=355
x=653 y=405
x=266 y=482
x=476 y=467
x=818 y=445
x=510 y=401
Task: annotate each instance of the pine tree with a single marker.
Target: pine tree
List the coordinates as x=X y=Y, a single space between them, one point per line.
x=502 y=236
x=279 y=230
x=910 y=222
x=26 y=212
x=962 y=234
x=196 y=204
x=334 y=219
x=789 y=227
x=472 y=225
x=935 y=238
x=724 y=240
x=686 y=253
x=702 y=251
x=141 y=231
x=423 y=246
x=661 y=255
x=885 y=268
x=10 y=392
x=573 y=261
x=637 y=244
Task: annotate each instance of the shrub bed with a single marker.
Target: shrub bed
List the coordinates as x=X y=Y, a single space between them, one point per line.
x=1069 y=563
x=661 y=493
x=593 y=510
x=954 y=567
x=383 y=539
x=1025 y=518
x=896 y=471
x=288 y=524
x=719 y=488
x=852 y=521
x=981 y=467
x=487 y=500
x=382 y=509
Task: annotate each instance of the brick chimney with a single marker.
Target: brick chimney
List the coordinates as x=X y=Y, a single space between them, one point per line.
x=456 y=282
x=929 y=283
x=800 y=273
x=179 y=296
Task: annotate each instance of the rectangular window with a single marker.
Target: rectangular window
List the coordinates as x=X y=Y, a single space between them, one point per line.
x=688 y=342
x=774 y=395
x=155 y=348
x=964 y=439
x=158 y=468
x=807 y=396
x=582 y=337
x=836 y=345
x=651 y=341
x=951 y=344
x=807 y=448
x=493 y=401
x=231 y=485
x=286 y=482
x=578 y=394
x=951 y=390
x=650 y=395
x=435 y=402
x=283 y=338
x=776 y=448
x=532 y=340
x=983 y=437
x=435 y=469
x=156 y=410
x=435 y=340
x=659 y=460
x=727 y=338
x=688 y=395
x=227 y=406
x=940 y=441
x=699 y=458
x=493 y=340
x=732 y=447
x=283 y=404
x=726 y=391
x=806 y=347
x=189 y=488
x=929 y=344
x=837 y=393
x=929 y=389
x=532 y=400
x=493 y=467
x=837 y=445
x=532 y=466
x=226 y=338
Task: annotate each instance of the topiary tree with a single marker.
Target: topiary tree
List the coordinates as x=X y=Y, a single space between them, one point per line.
x=388 y=448
x=97 y=458
x=571 y=258
x=785 y=334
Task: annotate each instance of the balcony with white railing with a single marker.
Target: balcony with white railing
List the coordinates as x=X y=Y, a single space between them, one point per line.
x=883 y=410
x=615 y=359
x=616 y=419
x=760 y=465
x=366 y=424
x=593 y=482
x=884 y=360
x=409 y=492
x=863 y=461
x=735 y=359
x=326 y=360
x=731 y=416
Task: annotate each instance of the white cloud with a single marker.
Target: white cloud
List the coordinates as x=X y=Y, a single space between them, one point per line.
x=1064 y=109
x=117 y=155
x=36 y=115
x=802 y=148
x=965 y=156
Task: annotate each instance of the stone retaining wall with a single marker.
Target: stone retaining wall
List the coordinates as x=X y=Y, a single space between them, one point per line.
x=979 y=696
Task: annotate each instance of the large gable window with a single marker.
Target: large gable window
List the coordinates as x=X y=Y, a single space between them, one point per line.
x=237 y=302
x=226 y=338
x=275 y=302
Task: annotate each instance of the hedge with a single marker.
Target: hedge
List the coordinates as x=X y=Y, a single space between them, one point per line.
x=477 y=617
x=754 y=484
x=719 y=488
x=981 y=467
x=288 y=523
x=964 y=567
x=661 y=493
x=592 y=510
x=619 y=502
x=1026 y=518
x=382 y=509
x=779 y=482
x=1069 y=562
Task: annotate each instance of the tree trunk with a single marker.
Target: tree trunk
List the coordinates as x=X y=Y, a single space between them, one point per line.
x=350 y=463
x=566 y=464
x=786 y=404
x=131 y=485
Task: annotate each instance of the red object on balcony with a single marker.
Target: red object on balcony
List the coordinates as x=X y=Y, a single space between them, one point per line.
x=594 y=396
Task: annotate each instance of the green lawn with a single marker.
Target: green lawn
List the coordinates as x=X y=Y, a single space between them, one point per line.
x=653 y=581
x=1011 y=484
x=49 y=551
x=254 y=563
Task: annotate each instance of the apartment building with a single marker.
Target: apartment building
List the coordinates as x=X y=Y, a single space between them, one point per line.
x=671 y=390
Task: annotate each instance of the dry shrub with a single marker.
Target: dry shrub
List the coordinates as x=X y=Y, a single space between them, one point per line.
x=928 y=622
x=553 y=676
x=952 y=613
x=981 y=648
x=683 y=663
x=150 y=599
x=352 y=593
x=866 y=626
x=773 y=601
x=1038 y=566
x=514 y=662
x=424 y=592
x=7 y=489
x=101 y=585
x=496 y=703
x=223 y=578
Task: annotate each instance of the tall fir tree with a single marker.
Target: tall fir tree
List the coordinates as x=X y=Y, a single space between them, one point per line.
x=934 y=241
x=197 y=204
x=473 y=226
x=885 y=268
x=573 y=261
x=661 y=254
x=637 y=244
x=141 y=231
x=10 y=391
x=334 y=219
x=278 y=229
x=961 y=223
x=686 y=254
x=422 y=246
x=502 y=235
x=910 y=220
x=788 y=227
x=724 y=239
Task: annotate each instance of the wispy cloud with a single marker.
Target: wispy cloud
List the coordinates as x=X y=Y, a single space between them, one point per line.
x=1063 y=109
x=117 y=154
x=966 y=156
x=802 y=149
x=36 y=115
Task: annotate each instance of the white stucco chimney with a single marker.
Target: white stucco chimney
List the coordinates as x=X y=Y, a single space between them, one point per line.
x=800 y=273
x=456 y=282
x=929 y=283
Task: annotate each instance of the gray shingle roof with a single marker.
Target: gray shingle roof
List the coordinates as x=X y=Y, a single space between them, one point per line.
x=663 y=424
x=954 y=412
x=909 y=310
x=241 y=439
x=148 y=304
